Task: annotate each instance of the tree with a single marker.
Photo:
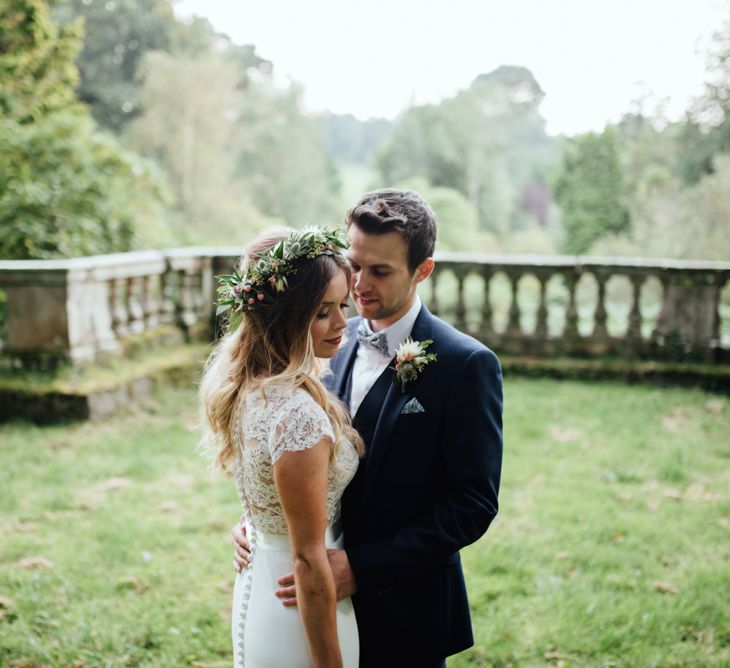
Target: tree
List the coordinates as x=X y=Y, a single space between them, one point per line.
x=488 y=142
x=589 y=190
x=458 y=228
x=351 y=140
x=239 y=153
x=118 y=36
x=283 y=157
x=190 y=106
x=647 y=144
x=701 y=230
x=64 y=188
x=706 y=131
x=37 y=72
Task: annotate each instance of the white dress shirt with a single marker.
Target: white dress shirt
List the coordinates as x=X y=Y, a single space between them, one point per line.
x=369 y=363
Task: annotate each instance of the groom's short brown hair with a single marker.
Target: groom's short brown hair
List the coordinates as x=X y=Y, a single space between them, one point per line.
x=404 y=211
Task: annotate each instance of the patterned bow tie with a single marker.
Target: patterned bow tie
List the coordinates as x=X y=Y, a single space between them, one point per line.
x=378 y=341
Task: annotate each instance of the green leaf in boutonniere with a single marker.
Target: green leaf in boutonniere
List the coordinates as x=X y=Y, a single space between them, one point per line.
x=411 y=359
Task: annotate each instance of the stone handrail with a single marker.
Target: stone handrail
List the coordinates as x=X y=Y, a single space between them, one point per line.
x=79 y=310
x=688 y=323
x=83 y=309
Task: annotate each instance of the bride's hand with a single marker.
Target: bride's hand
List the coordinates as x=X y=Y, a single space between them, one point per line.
x=242 y=549
x=344 y=579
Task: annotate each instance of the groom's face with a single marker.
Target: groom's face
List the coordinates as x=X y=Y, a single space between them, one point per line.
x=383 y=286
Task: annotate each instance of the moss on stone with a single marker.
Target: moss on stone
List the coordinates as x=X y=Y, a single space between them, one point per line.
x=158 y=362
x=708 y=376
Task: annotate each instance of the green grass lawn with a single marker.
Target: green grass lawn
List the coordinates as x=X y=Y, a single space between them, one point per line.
x=612 y=547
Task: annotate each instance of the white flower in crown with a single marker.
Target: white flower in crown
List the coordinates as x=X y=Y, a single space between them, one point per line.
x=411 y=359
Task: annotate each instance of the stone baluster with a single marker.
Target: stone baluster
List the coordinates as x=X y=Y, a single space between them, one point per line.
x=75 y=310
x=460 y=314
x=200 y=300
x=434 y=306
x=599 y=316
x=486 y=327
x=513 y=324
x=715 y=342
x=541 y=328
x=633 y=331
x=207 y=295
x=688 y=323
x=120 y=316
x=151 y=302
x=134 y=305
x=167 y=297
x=657 y=336
x=186 y=299
x=570 y=333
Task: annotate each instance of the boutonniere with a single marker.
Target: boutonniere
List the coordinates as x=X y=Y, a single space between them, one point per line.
x=411 y=359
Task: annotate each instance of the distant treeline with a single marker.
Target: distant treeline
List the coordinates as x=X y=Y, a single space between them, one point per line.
x=123 y=127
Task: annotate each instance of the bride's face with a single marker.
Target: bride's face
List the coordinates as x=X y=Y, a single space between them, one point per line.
x=331 y=318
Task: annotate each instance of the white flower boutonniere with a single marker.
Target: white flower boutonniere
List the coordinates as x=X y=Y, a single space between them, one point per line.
x=411 y=359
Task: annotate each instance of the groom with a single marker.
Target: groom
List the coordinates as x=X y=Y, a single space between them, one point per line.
x=428 y=483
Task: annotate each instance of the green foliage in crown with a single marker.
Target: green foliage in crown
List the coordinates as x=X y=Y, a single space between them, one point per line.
x=268 y=275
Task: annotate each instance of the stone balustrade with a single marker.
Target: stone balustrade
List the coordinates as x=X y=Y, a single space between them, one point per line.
x=80 y=310
x=83 y=309
x=680 y=318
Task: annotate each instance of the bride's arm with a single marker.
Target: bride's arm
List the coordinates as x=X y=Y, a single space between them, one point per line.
x=301 y=481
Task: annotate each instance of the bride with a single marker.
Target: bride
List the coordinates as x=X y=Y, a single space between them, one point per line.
x=289 y=444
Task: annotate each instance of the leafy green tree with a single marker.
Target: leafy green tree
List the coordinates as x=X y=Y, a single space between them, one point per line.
x=647 y=144
x=64 y=188
x=706 y=131
x=488 y=142
x=458 y=227
x=351 y=140
x=118 y=36
x=589 y=190
x=187 y=127
x=689 y=223
x=37 y=72
x=701 y=229
x=283 y=157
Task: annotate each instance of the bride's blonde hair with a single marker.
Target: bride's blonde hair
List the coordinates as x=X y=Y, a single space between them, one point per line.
x=272 y=344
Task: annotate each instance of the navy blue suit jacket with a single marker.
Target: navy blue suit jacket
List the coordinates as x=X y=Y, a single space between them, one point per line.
x=426 y=487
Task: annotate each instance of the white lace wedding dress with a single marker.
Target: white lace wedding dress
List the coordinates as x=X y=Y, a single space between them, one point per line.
x=265 y=633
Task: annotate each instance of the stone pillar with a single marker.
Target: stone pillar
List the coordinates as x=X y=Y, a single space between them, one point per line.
x=486 y=327
x=514 y=328
x=688 y=322
x=633 y=331
x=541 y=326
x=460 y=273
x=70 y=310
x=434 y=305
x=55 y=311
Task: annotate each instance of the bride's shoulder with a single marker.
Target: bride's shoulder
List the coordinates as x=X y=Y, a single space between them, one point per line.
x=277 y=396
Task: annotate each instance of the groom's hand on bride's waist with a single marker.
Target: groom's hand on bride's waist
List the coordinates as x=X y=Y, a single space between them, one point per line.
x=241 y=548
x=344 y=579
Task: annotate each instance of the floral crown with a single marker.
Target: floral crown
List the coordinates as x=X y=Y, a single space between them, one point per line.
x=267 y=276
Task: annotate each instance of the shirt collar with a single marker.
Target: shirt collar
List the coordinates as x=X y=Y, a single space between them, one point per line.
x=401 y=328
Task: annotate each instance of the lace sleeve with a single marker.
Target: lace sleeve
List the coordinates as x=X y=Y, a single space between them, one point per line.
x=300 y=424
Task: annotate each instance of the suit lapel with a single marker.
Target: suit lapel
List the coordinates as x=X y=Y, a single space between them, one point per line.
x=394 y=402
x=344 y=374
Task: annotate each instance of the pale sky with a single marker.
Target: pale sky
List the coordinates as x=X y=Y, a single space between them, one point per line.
x=374 y=58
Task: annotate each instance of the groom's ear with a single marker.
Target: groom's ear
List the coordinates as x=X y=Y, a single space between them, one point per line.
x=423 y=271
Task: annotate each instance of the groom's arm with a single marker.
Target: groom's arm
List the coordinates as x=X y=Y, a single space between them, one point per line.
x=467 y=504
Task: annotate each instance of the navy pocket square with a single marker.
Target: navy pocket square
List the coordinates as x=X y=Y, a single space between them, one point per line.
x=413 y=406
